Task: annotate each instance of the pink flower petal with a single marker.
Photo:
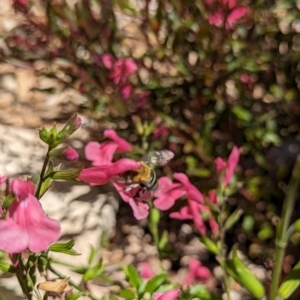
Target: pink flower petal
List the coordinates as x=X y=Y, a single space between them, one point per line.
x=170 y=295
x=145 y=270
x=122 y=144
x=129 y=66
x=193 y=194
x=167 y=193
x=183 y=214
x=100 y=154
x=26 y=225
x=140 y=209
x=94 y=175
x=70 y=154
x=197 y=272
x=235 y=15
x=232 y=162
x=108 y=60
x=220 y=164
x=216 y=19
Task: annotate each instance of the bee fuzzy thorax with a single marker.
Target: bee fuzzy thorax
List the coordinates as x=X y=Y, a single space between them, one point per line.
x=145 y=177
x=141 y=174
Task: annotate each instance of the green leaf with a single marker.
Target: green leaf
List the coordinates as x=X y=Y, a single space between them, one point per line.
x=242 y=113
x=73 y=296
x=65 y=248
x=127 y=294
x=133 y=276
x=209 y=244
x=93 y=272
x=154 y=283
x=154 y=216
x=233 y=218
x=163 y=240
x=6 y=267
x=240 y=272
x=8 y=201
x=290 y=283
x=69 y=174
x=201 y=292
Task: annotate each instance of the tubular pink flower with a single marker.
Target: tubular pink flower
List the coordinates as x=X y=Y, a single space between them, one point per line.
x=126 y=91
x=197 y=272
x=170 y=295
x=228 y=166
x=103 y=174
x=26 y=226
x=123 y=145
x=232 y=162
x=70 y=154
x=192 y=193
x=167 y=193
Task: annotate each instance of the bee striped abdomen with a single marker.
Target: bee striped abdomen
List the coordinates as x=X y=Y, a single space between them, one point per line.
x=150 y=184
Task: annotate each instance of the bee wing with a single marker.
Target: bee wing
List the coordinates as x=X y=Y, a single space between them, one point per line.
x=159 y=158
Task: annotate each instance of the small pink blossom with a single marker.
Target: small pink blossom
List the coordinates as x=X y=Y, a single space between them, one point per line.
x=170 y=295
x=70 y=154
x=228 y=166
x=126 y=91
x=145 y=270
x=218 y=15
x=26 y=226
x=197 y=272
x=167 y=193
x=108 y=60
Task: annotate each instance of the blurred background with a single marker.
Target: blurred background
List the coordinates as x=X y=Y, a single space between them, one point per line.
x=196 y=77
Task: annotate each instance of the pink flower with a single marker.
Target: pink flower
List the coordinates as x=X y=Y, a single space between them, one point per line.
x=170 y=295
x=145 y=270
x=195 y=209
x=26 y=226
x=220 y=15
x=120 y=69
x=102 y=154
x=192 y=193
x=134 y=199
x=70 y=154
x=167 y=193
x=108 y=60
x=192 y=211
x=228 y=166
x=197 y=272
x=103 y=174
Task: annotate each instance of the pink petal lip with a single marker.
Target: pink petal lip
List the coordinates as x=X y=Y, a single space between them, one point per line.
x=26 y=225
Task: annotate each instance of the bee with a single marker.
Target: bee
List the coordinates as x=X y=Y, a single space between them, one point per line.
x=145 y=177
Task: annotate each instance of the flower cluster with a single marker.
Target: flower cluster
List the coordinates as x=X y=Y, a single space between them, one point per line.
x=167 y=192
x=224 y=12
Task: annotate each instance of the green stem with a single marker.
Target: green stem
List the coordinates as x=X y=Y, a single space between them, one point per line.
x=222 y=251
x=282 y=228
x=20 y=271
x=46 y=161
